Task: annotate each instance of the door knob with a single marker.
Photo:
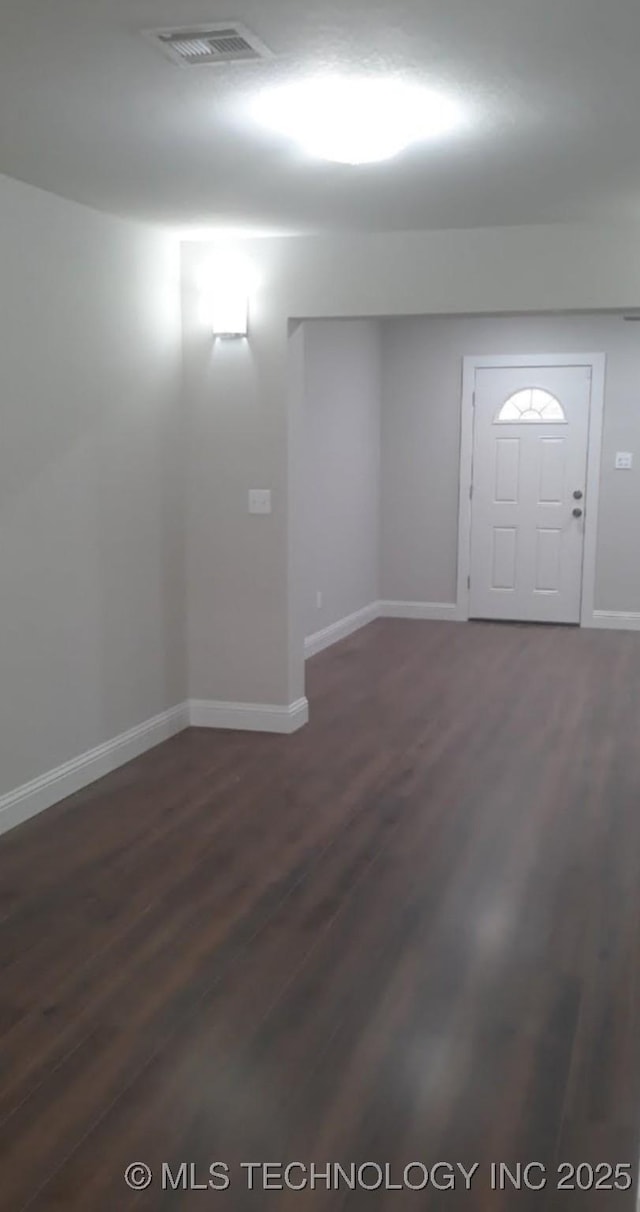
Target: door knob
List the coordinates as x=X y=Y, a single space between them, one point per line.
x=577 y=496
x=577 y=513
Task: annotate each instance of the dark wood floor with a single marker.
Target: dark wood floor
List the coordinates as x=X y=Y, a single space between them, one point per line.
x=410 y=932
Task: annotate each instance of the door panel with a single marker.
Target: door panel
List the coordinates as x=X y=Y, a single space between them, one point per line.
x=507 y=471
x=548 y=554
x=531 y=428
x=504 y=558
x=552 y=471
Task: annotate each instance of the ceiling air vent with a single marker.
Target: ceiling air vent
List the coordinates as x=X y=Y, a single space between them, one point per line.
x=203 y=45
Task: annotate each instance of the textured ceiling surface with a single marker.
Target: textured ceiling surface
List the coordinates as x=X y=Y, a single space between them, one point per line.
x=90 y=110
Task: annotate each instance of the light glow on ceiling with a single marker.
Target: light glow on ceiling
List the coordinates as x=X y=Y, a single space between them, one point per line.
x=357 y=120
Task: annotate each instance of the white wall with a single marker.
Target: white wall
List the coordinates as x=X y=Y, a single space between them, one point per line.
x=341 y=484
x=92 y=464
x=91 y=538
x=245 y=624
x=422 y=376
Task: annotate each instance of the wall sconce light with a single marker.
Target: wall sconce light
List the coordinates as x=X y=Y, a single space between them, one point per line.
x=226 y=291
x=231 y=315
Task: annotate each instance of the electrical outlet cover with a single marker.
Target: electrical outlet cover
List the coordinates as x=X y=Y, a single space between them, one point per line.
x=259 y=500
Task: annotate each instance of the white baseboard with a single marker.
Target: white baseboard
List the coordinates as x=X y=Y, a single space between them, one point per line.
x=377 y=610
x=248 y=717
x=418 y=610
x=33 y=797
x=41 y=793
x=340 y=630
x=616 y=620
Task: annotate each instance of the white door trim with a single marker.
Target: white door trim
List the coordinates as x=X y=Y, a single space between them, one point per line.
x=473 y=363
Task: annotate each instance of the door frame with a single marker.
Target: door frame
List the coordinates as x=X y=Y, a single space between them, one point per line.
x=471 y=364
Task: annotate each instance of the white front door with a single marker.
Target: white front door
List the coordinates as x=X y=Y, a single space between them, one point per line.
x=531 y=432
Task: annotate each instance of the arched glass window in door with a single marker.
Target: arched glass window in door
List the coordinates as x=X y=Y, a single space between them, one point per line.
x=532 y=405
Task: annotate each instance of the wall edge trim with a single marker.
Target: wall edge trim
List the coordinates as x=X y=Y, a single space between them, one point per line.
x=57 y=784
x=616 y=620
x=248 y=717
x=341 y=629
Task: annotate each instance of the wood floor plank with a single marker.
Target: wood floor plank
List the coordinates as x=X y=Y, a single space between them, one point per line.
x=408 y=932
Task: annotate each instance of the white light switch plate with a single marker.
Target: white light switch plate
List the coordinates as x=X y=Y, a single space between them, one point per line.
x=624 y=460
x=259 y=500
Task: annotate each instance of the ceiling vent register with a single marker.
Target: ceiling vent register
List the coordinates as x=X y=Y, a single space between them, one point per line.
x=209 y=45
